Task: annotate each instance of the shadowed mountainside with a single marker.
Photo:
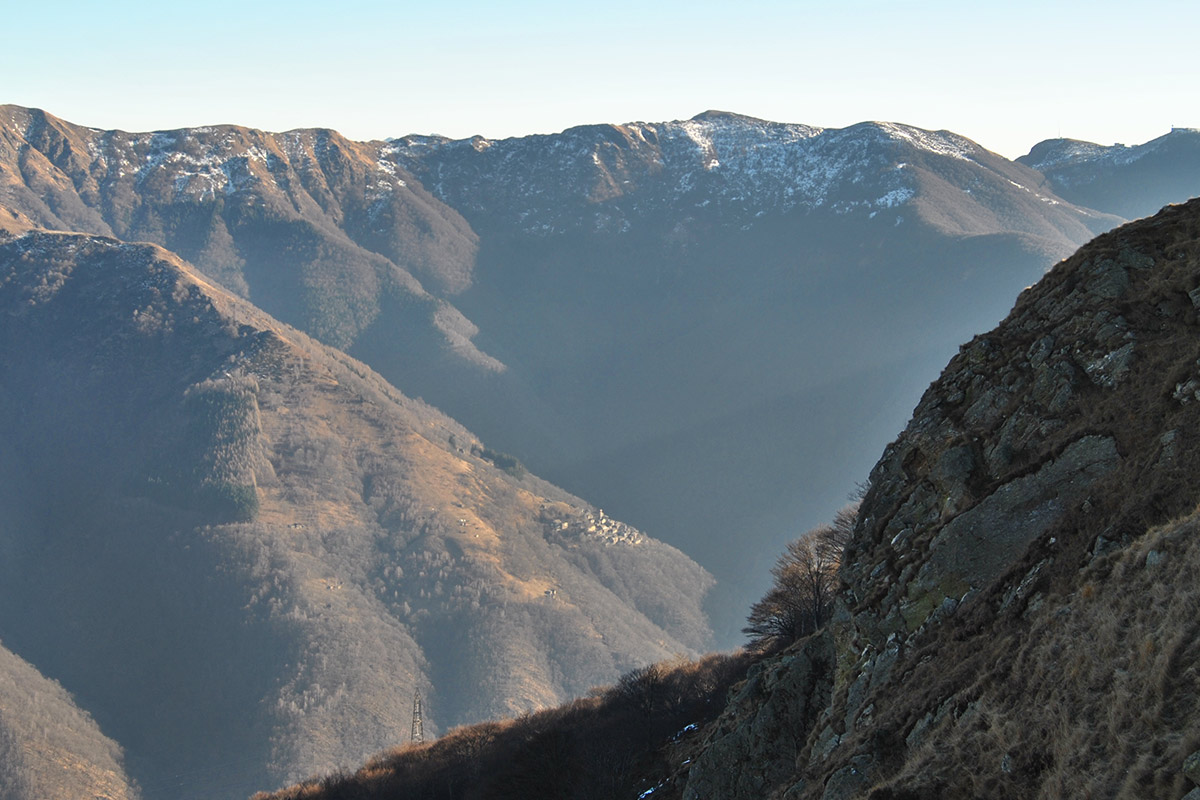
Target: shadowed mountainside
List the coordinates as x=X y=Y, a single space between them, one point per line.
x=243 y=552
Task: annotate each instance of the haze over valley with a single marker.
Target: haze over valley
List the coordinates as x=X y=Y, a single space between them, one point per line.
x=297 y=427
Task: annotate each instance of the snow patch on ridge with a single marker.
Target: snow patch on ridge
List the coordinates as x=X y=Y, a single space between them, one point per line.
x=198 y=164
x=940 y=143
x=605 y=177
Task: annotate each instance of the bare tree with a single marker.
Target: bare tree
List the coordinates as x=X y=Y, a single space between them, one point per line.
x=801 y=597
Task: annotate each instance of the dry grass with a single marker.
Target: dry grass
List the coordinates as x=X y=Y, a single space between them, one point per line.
x=1101 y=698
x=1085 y=685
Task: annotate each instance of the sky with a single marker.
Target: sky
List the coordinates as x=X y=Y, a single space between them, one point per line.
x=1005 y=75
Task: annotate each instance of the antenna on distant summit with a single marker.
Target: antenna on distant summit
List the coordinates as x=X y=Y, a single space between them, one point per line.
x=418 y=724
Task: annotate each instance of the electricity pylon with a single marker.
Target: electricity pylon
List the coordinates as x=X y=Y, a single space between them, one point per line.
x=418 y=724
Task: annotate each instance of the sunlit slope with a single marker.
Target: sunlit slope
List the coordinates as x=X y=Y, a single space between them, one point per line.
x=244 y=552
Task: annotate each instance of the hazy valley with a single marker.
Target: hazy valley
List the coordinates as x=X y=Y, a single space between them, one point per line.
x=242 y=552
x=654 y=316
x=1013 y=615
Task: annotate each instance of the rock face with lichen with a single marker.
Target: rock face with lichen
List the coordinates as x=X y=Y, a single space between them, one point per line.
x=765 y=724
x=1014 y=611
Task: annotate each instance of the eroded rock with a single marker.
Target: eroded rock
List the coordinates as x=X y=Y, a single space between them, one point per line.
x=977 y=546
x=765 y=726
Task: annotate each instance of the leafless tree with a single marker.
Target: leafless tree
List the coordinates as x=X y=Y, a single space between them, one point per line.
x=805 y=576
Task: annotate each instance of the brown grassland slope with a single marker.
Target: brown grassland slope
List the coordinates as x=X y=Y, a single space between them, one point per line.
x=244 y=552
x=49 y=748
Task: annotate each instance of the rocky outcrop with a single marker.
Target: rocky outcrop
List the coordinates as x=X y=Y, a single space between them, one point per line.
x=1007 y=559
x=765 y=724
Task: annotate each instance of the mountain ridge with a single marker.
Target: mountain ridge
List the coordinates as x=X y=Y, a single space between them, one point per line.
x=316 y=546
x=354 y=230
x=1133 y=181
x=763 y=168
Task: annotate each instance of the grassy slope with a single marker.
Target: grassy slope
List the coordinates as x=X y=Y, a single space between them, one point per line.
x=289 y=633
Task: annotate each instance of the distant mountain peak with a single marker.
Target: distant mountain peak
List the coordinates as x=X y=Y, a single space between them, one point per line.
x=1130 y=180
x=715 y=115
x=1057 y=152
x=944 y=143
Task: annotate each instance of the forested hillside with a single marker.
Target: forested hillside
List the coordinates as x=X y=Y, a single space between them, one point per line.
x=244 y=553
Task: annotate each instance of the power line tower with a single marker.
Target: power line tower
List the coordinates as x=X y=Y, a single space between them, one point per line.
x=418 y=724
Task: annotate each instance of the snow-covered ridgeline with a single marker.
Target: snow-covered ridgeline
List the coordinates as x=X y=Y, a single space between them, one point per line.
x=711 y=162
x=1067 y=154
x=200 y=163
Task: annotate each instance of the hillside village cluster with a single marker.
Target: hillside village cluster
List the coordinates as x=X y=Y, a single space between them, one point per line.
x=590 y=524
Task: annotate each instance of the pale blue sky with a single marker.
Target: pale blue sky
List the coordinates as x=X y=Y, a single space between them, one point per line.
x=1007 y=75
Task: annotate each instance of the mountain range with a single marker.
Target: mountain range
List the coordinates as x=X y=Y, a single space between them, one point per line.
x=706 y=327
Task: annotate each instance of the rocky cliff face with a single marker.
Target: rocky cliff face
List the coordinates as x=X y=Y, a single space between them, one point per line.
x=1016 y=617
